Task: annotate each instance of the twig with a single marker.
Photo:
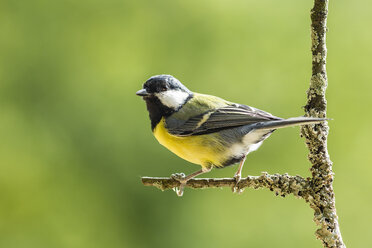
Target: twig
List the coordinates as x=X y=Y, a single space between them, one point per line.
x=280 y=184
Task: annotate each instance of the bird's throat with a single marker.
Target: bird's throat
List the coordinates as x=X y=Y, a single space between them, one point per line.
x=157 y=110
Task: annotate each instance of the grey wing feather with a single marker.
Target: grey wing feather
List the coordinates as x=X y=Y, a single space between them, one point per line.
x=222 y=118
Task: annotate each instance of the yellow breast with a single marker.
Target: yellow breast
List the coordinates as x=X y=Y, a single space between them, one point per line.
x=205 y=150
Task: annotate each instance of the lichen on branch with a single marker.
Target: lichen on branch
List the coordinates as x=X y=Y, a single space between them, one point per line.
x=280 y=184
x=316 y=137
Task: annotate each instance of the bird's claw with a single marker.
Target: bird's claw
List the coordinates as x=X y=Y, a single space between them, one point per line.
x=235 y=188
x=179 y=190
x=180 y=178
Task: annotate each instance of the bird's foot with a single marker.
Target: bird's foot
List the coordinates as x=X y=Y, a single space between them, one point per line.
x=235 y=188
x=180 y=177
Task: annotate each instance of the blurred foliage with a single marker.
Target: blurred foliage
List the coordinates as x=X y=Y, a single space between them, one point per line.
x=75 y=140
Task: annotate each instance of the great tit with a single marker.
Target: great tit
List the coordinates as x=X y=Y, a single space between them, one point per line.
x=207 y=130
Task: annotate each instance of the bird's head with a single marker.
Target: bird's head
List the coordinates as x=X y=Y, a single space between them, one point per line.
x=166 y=91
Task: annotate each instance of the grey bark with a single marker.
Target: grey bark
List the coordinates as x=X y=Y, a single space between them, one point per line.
x=317 y=190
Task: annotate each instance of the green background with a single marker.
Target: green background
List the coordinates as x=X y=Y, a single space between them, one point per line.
x=75 y=139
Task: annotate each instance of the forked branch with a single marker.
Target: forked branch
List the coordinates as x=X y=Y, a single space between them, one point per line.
x=317 y=190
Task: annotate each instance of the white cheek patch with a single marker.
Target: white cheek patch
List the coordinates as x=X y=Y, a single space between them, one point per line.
x=173 y=98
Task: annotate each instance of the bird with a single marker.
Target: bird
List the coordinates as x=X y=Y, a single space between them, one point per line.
x=207 y=130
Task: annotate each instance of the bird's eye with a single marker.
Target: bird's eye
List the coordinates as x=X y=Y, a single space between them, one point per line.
x=163 y=88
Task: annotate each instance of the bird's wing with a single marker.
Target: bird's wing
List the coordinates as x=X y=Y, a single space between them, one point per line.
x=214 y=120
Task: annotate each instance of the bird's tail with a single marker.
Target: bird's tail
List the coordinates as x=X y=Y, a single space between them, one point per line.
x=296 y=121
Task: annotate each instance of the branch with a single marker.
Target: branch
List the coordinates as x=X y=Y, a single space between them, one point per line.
x=281 y=184
x=316 y=136
x=318 y=190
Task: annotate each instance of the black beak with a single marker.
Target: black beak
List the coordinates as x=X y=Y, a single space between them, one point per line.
x=142 y=92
